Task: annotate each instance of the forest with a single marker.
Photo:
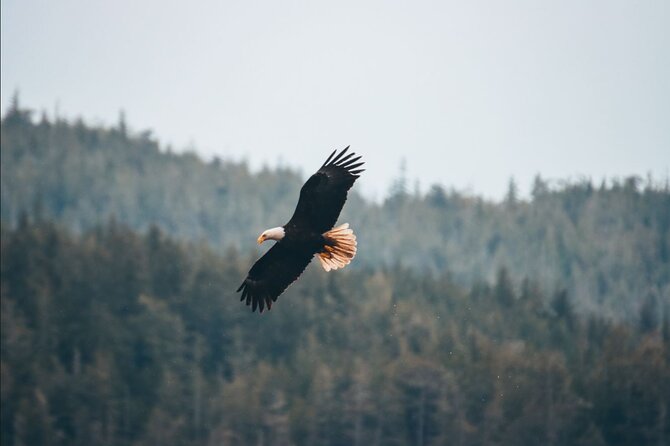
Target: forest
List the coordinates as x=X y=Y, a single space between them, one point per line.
x=608 y=244
x=113 y=338
x=462 y=321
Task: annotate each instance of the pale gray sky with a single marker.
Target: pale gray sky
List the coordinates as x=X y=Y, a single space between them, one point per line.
x=468 y=92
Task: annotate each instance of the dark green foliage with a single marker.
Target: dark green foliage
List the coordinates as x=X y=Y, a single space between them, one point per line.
x=607 y=246
x=121 y=326
x=116 y=338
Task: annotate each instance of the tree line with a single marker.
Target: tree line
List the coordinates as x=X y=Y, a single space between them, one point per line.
x=117 y=337
x=608 y=244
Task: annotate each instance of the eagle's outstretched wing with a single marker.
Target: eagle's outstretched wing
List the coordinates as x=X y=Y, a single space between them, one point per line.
x=271 y=274
x=323 y=195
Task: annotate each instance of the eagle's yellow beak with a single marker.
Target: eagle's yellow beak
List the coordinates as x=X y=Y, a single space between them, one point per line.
x=261 y=239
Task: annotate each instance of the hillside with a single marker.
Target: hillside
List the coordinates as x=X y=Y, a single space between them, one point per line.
x=119 y=338
x=608 y=245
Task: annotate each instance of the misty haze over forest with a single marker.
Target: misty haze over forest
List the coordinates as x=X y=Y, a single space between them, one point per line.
x=607 y=243
x=461 y=321
x=468 y=93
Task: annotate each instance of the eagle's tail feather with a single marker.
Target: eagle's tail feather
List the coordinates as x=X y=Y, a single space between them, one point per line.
x=340 y=248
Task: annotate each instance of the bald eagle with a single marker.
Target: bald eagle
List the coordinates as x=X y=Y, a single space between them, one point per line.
x=308 y=233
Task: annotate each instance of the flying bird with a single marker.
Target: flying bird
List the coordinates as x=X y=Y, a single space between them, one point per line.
x=310 y=232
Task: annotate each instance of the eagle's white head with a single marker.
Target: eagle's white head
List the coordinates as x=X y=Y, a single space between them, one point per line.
x=272 y=234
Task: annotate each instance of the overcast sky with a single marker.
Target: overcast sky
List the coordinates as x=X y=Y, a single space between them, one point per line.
x=469 y=93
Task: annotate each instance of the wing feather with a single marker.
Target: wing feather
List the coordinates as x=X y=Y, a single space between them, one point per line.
x=272 y=274
x=324 y=193
x=331 y=155
x=339 y=155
